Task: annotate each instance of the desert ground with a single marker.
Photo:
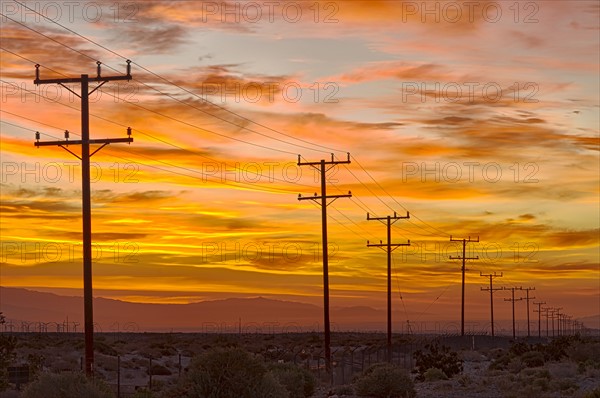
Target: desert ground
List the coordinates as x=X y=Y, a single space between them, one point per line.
x=149 y=364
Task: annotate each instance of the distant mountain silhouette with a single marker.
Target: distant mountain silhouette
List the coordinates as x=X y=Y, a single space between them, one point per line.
x=255 y=313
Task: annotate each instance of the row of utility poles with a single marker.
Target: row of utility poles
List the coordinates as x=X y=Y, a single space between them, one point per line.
x=565 y=324
x=323 y=200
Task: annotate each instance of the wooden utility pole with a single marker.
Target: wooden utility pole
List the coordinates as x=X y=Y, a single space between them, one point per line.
x=389 y=247
x=491 y=289
x=539 y=311
x=463 y=269
x=527 y=289
x=323 y=167
x=513 y=299
x=558 y=315
x=85 y=143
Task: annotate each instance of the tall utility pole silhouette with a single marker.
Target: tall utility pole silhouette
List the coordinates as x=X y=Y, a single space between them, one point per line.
x=323 y=167
x=527 y=289
x=389 y=247
x=85 y=142
x=539 y=311
x=513 y=299
x=463 y=258
x=491 y=289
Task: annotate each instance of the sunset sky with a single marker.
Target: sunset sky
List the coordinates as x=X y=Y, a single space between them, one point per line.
x=479 y=118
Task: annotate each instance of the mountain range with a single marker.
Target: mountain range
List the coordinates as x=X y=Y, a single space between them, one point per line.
x=257 y=314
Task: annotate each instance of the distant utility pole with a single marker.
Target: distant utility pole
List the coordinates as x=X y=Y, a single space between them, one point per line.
x=539 y=311
x=527 y=289
x=491 y=289
x=463 y=258
x=85 y=142
x=558 y=315
x=546 y=311
x=513 y=299
x=567 y=324
x=552 y=315
x=389 y=247
x=323 y=167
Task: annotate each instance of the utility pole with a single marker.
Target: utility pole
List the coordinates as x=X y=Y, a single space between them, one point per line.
x=513 y=299
x=539 y=311
x=85 y=142
x=567 y=324
x=558 y=315
x=491 y=289
x=463 y=258
x=553 y=316
x=389 y=247
x=323 y=167
x=527 y=289
x=546 y=311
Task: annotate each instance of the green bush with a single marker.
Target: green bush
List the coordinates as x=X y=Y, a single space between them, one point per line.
x=437 y=357
x=299 y=382
x=533 y=359
x=66 y=385
x=502 y=362
x=519 y=348
x=434 y=374
x=229 y=373
x=385 y=381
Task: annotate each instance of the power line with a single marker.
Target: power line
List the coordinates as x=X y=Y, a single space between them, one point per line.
x=153 y=137
x=203 y=177
x=326 y=148
x=223 y=108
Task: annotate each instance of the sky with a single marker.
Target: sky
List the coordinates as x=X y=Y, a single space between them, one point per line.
x=480 y=119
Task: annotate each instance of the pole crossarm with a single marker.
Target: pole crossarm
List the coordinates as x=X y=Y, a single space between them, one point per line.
x=331 y=162
x=98 y=78
x=316 y=198
x=384 y=245
x=104 y=141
